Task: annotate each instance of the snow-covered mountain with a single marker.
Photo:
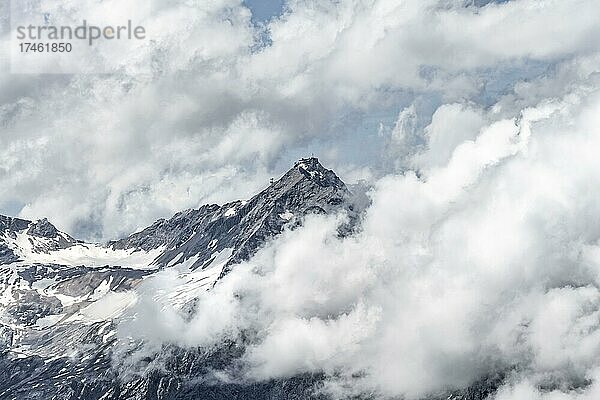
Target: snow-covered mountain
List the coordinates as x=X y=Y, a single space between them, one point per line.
x=61 y=298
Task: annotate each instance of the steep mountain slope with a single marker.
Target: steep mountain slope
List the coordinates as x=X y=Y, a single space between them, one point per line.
x=242 y=226
x=61 y=298
x=19 y=237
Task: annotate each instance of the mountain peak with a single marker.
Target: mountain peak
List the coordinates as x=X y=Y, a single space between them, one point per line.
x=310 y=169
x=309 y=162
x=43 y=228
x=12 y=224
x=40 y=228
x=71 y=291
x=240 y=228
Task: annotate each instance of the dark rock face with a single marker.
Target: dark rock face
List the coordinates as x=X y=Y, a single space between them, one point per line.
x=12 y=224
x=28 y=306
x=43 y=228
x=8 y=227
x=34 y=378
x=7 y=255
x=85 y=280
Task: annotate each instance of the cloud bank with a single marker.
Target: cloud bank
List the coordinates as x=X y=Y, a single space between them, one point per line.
x=480 y=252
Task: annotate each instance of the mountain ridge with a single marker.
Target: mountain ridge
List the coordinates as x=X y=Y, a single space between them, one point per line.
x=52 y=283
x=307 y=187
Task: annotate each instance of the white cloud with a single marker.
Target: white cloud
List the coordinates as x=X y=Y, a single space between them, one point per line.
x=451 y=125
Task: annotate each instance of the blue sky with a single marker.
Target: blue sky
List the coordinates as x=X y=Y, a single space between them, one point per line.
x=263 y=10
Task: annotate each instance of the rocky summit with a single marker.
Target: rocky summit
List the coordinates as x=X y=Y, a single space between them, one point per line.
x=61 y=299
